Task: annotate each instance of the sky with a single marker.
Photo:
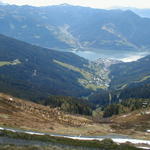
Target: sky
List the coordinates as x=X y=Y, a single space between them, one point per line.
x=88 y=3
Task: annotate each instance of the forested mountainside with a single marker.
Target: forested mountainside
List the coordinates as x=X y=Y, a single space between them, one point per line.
x=36 y=73
x=137 y=91
x=123 y=74
x=73 y=27
x=127 y=80
x=32 y=72
x=49 y=77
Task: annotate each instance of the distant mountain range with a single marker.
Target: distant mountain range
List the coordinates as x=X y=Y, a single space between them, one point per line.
x=145 y=12
x=142 y=12
x=76 y=28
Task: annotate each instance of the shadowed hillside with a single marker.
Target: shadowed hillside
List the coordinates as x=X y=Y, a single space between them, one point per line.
x=30 y=72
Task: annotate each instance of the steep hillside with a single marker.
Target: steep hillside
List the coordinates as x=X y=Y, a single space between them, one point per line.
x=136 y=90
x=130 y=80
x=18 y=113
x=127 y=80
x=133 y=122
x=29 y=71
x=73 y=27
x=21 y=114
x=33 y=72
x=134 y=73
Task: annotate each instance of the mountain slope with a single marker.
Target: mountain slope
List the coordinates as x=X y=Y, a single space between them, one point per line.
x=138 y=120
x=130 y=80
x=33 y=72
x=127 y=80
x=18 y=113
x=29 y=71
x=73 y=27
x=32 y=115
x=21 y=114
x=143 y=12
x=136 y=72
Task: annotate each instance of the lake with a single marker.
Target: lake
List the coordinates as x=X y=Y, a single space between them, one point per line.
x=126 y=56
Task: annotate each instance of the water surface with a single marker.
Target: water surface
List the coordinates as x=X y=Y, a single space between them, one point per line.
x=126 y=56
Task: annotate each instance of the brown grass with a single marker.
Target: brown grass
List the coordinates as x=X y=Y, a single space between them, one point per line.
x=28 y=115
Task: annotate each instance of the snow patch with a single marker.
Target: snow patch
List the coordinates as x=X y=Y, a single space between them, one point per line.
x=145 y=147
x=34 y=133
x=2 y=128
x=148 y=112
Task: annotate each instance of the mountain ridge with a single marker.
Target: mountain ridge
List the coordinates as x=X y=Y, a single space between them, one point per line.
x=111 y=29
